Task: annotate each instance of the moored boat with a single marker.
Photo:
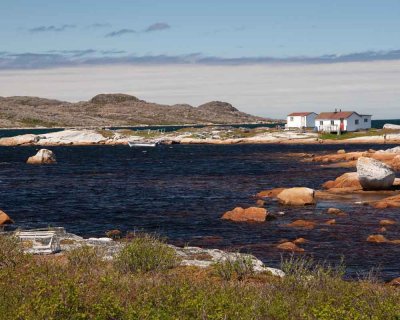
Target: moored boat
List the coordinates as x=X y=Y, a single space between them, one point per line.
x=133 y=144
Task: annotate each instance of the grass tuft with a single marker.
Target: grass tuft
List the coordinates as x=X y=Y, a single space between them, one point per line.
x=146 y=253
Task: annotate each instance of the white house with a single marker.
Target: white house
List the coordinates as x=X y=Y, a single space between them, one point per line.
x=342 y=121
x=301 y=120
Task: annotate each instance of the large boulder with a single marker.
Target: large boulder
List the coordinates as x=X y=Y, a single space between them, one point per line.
x=346 y=180
x=390 y=202
x=390 y=126
x=72 y=137
x=250 y=214
x=44 y=156
x=297 y=197
x=272 y=193
x=374 y=174
x=24 y=139
x=395 y=163
x=4 y=218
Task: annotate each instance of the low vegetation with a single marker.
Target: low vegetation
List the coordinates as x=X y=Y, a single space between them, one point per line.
x=146 y=253
x=349 y=135
x=83 y=286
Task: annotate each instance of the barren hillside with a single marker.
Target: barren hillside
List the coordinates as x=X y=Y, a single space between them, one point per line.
x=113 y=110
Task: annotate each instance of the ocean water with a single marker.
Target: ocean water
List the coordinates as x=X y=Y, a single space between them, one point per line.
x=378 y=124
x=181 y=192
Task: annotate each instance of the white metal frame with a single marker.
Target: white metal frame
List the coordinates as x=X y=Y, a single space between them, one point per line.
x=38 y=247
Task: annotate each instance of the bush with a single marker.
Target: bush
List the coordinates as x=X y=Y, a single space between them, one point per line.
x=239 y=267
x=86 y=258
x=146 y=253
x=11 y=252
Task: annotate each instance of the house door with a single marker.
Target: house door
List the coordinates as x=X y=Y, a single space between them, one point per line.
x=341 y=124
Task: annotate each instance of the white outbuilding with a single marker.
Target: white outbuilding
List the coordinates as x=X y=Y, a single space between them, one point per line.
x=343 y=121
x=301 y=120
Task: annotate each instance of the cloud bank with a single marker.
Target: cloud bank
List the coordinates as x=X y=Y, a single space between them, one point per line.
x=90 y=57
x=158 y=27
x=271 y=90
x=52 y=28
x=119 y=33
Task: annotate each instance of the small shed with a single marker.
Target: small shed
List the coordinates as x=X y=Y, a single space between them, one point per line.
x=301 y=120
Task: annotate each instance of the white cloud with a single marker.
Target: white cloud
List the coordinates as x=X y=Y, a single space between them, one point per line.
x=267 y=89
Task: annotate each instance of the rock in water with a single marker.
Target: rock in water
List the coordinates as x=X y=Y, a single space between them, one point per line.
x=391 y=126
x=4 y=218
x=374 y=174
x=290 y=246
x=297 y=197
x=346 y=180
x=44 y=156
x=250 y=214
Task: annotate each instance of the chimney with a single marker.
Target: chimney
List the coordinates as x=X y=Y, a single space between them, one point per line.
x=335 y=110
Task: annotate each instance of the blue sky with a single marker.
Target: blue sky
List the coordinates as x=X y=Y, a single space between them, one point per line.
x=223 y=29
x=266 y=57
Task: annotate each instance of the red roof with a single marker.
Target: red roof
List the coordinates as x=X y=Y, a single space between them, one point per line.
x=335 y=115
x=299 y=114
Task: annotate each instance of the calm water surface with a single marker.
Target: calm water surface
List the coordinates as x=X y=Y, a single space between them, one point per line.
x=182 y=191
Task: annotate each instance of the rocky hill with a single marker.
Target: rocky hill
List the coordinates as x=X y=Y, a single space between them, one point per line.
x=113 y=110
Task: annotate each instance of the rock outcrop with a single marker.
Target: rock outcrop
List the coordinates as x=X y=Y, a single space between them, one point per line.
x=297 y=197
x=387 y=222
x=251 y=214
x=395 y=282
x=21 y=140
x=44 y=156
x=112 y=98
x=302 y=224
x=390 y=126
x=289 y=246
x=377 y=238
x=4 y=218
x=270 y=193
x=374 y=174
x=395 y=163
x=72 y=137
x=346 y=180
x=390 y=202
x=189 y=256
x=335 y=211
x=115 y=110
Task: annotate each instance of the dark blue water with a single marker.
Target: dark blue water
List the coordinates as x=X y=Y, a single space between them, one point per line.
x=182 y=191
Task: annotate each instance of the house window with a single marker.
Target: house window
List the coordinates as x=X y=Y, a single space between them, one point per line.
x=321 y=123
x=357 y=121
x=365 y=120
x=291 y=118
x=332 y=122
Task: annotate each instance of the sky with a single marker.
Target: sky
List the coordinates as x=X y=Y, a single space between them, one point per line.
x=268 y=57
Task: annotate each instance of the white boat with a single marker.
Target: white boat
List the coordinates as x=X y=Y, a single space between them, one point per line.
x=142 y=144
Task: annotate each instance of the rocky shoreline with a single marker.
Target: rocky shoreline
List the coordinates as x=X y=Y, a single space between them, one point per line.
x=109 y=248
x=211 y=135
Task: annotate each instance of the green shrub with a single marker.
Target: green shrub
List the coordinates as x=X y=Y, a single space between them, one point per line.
x=86 y=258
x=177 y=297
x=11 y=252
x=239 y=267
x=146 y=253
